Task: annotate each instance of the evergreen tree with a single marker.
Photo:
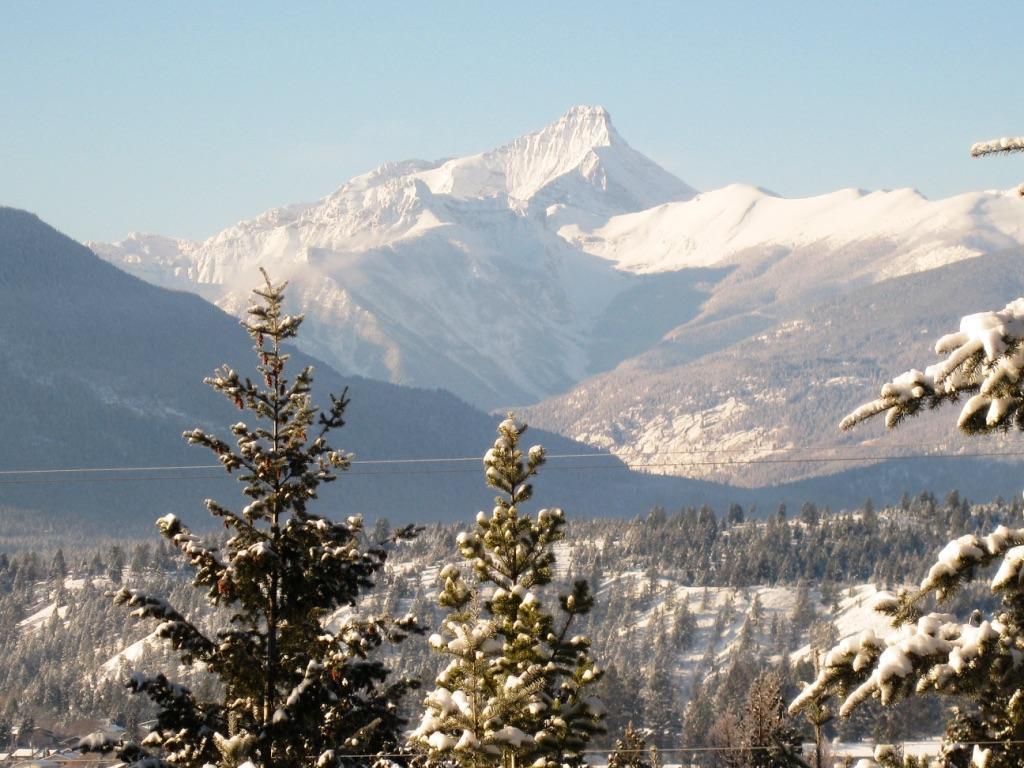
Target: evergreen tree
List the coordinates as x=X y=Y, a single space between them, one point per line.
x=58 y=566
x=95 y=567
x=631 y=751
x=115 y=564
x=684 y=626
x=471 y=711
x=975 y=662
x=698 y=715
x=735 y=515
x=294 y=688
x=624 y=696
x=520 y=648
x=26 y=731
x=58 y=574
x=809 y=514
x=803 y=614
x=761 y=735
x=734 y=681
x=660 y=704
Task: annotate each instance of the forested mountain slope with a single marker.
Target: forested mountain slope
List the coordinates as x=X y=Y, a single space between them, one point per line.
x=778 y=395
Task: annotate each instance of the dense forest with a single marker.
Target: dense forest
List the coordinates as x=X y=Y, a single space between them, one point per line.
x=691 y=606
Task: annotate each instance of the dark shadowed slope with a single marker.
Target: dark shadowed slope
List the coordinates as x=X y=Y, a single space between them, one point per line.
x=101 y=369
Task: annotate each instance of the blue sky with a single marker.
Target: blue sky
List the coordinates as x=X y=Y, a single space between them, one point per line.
x=182 y=118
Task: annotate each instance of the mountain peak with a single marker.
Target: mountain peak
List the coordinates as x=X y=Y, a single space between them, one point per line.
x=579 y=160
x=582 y=129
x=579 y=157
x=587 y=125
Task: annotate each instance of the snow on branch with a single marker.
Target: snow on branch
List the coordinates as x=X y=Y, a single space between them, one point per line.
x=984 y=359
x=1004 y=145
x=182 y=633
x=934 y=652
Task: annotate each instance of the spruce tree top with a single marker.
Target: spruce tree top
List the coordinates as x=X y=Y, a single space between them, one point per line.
x=631 y=751
x=519 y=679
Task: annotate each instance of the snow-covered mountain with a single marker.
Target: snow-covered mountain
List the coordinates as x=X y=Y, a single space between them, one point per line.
x=440 y=274
x=565 y=268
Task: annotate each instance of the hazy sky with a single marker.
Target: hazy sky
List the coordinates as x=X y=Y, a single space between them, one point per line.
x=182 y=118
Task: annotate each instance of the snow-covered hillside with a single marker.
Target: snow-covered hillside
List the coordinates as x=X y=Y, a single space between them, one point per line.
x=719 y=615
x=532 y=270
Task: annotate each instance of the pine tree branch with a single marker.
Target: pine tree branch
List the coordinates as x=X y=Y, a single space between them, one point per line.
x=1005 y=146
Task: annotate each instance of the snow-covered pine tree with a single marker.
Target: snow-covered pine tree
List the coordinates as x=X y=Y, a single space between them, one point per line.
x=684 y=626
x=519 y=681
x=761 y=734
x=662 y=714
x=298 y=686
x=631 y=751
x=469 y=713
x=984 y=359
x=975 y=662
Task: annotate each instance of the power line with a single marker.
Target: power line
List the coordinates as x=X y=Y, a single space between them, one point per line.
x=710 y=462
x=723 y=462
x=133 y=479
x=770 y=459
x=675 y=452
x=104 y=469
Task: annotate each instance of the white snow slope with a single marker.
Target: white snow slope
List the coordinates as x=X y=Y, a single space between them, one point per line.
x=715 y=227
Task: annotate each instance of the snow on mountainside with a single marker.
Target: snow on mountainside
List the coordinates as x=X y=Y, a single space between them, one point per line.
x=715 y=227
x=407 y=272
x=107 y=371
x=566 y=270
x=769 y=389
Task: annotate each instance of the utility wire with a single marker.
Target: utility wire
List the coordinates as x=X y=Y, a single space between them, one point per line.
x=775 y=458
x=132 y=479
x=103 y=469
x=11 y=476
x=676 y=452
x=708 y=462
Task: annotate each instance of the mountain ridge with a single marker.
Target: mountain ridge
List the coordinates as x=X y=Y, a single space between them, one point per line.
x=780 y=393
x=523 y=288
